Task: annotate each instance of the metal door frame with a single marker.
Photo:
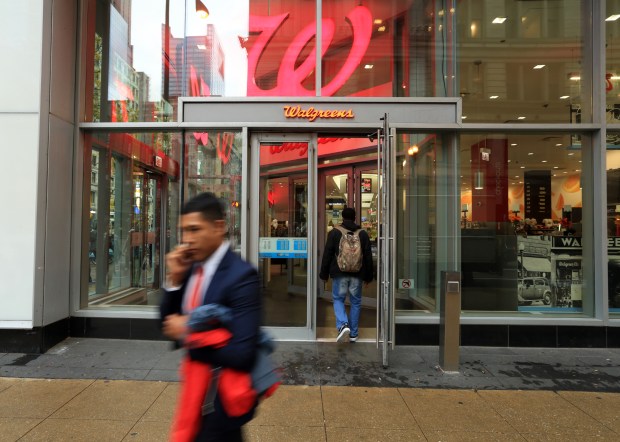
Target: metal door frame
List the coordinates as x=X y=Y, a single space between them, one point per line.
x=385 y=240
x=308 y=332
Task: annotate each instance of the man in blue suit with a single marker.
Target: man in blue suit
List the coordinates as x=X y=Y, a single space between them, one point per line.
x=203 y=270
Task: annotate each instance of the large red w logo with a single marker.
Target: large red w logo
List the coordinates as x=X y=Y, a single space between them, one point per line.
x=290 y=79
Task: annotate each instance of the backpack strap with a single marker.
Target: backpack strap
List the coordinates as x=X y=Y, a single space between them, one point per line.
x=347 y=231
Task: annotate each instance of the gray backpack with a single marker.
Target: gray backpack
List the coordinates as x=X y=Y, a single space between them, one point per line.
x=349 y=256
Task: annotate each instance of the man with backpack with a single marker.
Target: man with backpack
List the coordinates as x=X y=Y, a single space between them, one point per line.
x=347 y=259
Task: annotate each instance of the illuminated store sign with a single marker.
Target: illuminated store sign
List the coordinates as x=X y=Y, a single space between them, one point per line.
x=312 y=114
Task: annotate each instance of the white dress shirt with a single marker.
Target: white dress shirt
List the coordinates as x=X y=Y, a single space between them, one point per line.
x=208 y=270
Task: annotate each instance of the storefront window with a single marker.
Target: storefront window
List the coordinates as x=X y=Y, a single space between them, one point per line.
x=128 y=186
x=213 y=164
x=523 y=62
x=399 y=48
x=613 y=221
x=522 y=231
x=612 y=53
x=423 y=250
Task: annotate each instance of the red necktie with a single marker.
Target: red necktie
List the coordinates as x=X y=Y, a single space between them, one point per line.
x=195 y=300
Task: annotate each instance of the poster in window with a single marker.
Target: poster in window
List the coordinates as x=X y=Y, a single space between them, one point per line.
x=366 y=185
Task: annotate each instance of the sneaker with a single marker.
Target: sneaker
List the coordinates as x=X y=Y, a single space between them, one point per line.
x=343 y=333
x=352 y=338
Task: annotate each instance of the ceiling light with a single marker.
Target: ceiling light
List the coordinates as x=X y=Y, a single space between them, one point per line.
x=381 y=28
x=413 y=150
x=614 y=77
x=522 y=167
x=539 y=66
x=513 y=144
x=368 y=66
x=201 y=9
x=464 y=117
x=521 y=118
x=575 y=77
x=571 y=154
x=201 y=47
x=558 y=144
x=543 y=161
x=479 y=180
x=555 y=167
x=499 y=20
x=564 y=97
x=378 y=21
x=493 y=97
x=613 y=17
x=530 y=153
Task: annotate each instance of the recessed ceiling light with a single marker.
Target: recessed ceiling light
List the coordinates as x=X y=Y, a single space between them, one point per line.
x=381 y=28
x=522 y=167
x=543 y=161
x=555 y=167
x=493 y=97
x=499 y=20
x=521 y=118
x=530 y=153
x=513 y=144
x=201 y=47
x=564 y=97
x=464 y=117
x=516 y=176
x=575 y=77
x=378 y=21
x=539 y=66
x=571 y=154
x=558 y=144
x=613 y=17
x=368 y=66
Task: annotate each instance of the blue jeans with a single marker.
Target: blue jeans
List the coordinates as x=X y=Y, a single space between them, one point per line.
x=340 y=287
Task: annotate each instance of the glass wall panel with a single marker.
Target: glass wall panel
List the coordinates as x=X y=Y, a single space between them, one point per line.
x=145 y=54
x=612 y=53
x=213 y=164
x=523 y=61
x=522 y=232
x=423 y=196
x=398 y=48
x=130 y=175
x=613 y=221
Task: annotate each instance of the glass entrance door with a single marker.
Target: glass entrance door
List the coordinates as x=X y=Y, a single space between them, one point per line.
x=353 y=186
x=283 y=226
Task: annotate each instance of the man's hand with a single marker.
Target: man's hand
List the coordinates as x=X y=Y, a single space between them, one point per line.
x=177 y=265
x=175 y=327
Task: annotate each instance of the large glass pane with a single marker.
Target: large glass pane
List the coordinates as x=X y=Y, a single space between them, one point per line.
x=213 y=164
x=126 y=180
x=523 y=61
x=613 y=221
x=522 y=228
x=283 y=232
x=422 y=196
x=612 y=53
x=145 y=54
x=398 y=48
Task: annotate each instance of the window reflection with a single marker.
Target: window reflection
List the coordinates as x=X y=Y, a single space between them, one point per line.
x=521 y=223
x=129 y=174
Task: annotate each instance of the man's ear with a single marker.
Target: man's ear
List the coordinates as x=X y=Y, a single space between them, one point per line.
x=220 y=225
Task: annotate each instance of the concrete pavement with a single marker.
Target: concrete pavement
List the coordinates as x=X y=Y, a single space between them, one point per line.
x=113 y=390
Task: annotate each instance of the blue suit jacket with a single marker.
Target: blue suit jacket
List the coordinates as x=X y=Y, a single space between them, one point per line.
x=235 y=285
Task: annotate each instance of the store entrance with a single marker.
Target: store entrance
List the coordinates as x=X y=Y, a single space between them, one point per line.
x=304 y=182
x=353 y=184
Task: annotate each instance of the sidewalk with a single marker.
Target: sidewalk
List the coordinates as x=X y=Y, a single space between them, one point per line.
x=108 y=390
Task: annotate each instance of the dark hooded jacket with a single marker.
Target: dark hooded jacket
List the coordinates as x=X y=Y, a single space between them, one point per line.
x=329 y=264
